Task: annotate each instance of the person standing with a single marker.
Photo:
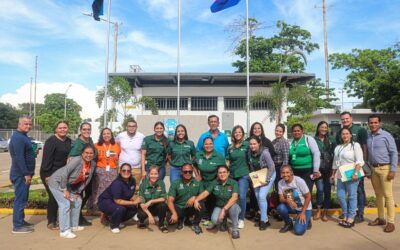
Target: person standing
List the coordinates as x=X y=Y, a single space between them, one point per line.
x=55 y=155
x=130 y=142
x=383 y=157
x=281 y=146
x=22 y=170
x=221 y=142
x=360 y=135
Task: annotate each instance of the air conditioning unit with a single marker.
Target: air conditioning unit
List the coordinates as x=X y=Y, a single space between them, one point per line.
x=135 y=68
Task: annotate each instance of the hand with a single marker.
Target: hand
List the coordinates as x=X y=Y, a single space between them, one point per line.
x=391 y=175
x=221 y=216
x=190 y=202
x=198 y=178
x=316 y=175
x=354 y=177
x=332 y=179
x=197 y=205
x=67 y=194
x=302 y=218
x=292 y=204
x=28 y=179
x=174 y=218
x=263 y=183
x=151 y=220
x=46 y=180
x=136 y=199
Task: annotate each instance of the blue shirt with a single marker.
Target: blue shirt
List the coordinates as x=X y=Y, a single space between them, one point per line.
x=221 y=142
x=22 y=155
x=119 y=189
x=382 y=149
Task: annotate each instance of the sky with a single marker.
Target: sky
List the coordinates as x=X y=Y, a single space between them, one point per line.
x=71 y=46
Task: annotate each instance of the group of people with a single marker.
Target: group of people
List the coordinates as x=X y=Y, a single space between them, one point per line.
x=121 y=177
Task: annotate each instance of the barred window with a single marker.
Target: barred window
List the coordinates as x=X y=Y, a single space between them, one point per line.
x=264 y=105
x=169 y=103
x=203 y=103
x=234 y=103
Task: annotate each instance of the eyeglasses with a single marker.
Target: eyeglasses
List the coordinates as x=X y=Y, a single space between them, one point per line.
x=125 y=170
x=187 y=172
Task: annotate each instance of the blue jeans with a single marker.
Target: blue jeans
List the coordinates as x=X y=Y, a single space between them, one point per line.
x=21 y=190
x=323 y=191
x=161 y=171
x=233 y=213
x=284 y=210
x=361 y=197
x=261 y=195
x=68 y=211
x=243 y=182
x=349 y=188
x=174 y=174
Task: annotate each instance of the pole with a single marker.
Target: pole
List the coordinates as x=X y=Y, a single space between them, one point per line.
x=326 y=49
x=34 y=95
x=178 y=61
x=30 y=98
x=114 y=64
x=106 y=65
x=65 y=101
x=247 y=66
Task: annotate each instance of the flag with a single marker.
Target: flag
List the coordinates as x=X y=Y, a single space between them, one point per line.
x=219 y=5
x=97 y=8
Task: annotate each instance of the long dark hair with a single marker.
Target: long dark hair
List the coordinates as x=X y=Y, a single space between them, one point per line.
x=233 y=140
x=264 y=140
x=351 y=138
x=164 y=139
x=258 y=140
x=262 y=129
x=101 y=140
x=184 y=128
x=319 y=125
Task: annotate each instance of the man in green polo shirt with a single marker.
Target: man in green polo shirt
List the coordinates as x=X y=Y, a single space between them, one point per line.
x=360 y=135
x=181 y=197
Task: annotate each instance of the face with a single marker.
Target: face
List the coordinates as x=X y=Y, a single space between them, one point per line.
x=346 y=120
x=223 y=174
x=297 y=133
x=346 y=136
x=131 y=127
x=62 y=130
x=159 y=130
x=278 y=132
x=106 y=135
x=88 y=154
x=254 y=145
x=180 y=133
x=25 y=125
x=238 y=134
x=153 y=175
x=213 y=123
x=323 y=129
x=86 y=131
x=257 y=130
x=286 y=174
x=208 y=145
x=374 y=124
x=187 y=172
x=126 y=172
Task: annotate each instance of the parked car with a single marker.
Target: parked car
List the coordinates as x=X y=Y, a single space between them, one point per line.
x=39 y=144
x=3 y=145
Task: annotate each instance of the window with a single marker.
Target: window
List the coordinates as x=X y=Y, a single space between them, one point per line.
x=169 y=103
x=203 y=103
x=265 y=105
x=234 y=103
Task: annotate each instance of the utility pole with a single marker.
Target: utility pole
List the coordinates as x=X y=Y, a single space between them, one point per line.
x=30 y=98
x=34 y=95
x=326 y=49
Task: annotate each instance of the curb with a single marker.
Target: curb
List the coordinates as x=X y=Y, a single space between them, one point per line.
x=336 y=211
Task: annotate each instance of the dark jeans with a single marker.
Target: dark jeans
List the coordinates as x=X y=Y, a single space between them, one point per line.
x=361 y=197
x=278 y=177
x=209 y=205
x=21 y=191
x=85 y=194
x=158 y=209
x=323 y=191
x=305 y=175
x=187 y=212
x=52 y=206
x=117 y=213
x=253 y=204
x=284 y=210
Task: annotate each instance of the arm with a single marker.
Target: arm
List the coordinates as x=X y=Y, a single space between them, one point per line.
x=228 y=205
x=122 y=202
x=267 y=159
x=199 y=198
x=18 y=149
x=171 y=207
x=312 y=144
x=285 y=151
x=335 y=165
x=302 y=215
x=393 y=154
x=47 y=159
x=143 y=162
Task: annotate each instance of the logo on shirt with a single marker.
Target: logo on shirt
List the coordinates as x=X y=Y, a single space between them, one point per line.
x=216 y=188
x=186 y=146
x=213 y=163
x=146 y=192
x=158 y=189
x=200 y=161
x=181 y=186
x=230 y=188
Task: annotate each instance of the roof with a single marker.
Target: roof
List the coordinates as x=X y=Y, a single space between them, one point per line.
x=143 y=79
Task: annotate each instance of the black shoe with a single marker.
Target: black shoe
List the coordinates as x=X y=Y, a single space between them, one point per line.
x=278 y=217
x=27 y=224
x=180 y=225
x=197 y=229
x=188 y=223
x=286 y=228
x=309 y=226
x=359 y=218
x=223 y=227
x=235 y=234
x=83 y=222
x=263 y=225
x=141 y=225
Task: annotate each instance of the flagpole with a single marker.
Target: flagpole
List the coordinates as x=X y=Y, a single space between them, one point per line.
x=247 y=66
x=106 y=66
x=178 y=61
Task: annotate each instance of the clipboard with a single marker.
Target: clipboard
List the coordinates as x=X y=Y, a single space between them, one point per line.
x=258 y=176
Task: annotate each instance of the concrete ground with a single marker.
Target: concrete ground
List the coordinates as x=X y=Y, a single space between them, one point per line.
x=323 y=235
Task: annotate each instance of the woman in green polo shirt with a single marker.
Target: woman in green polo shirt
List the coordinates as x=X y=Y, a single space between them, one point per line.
x=154 y=151
x=181 y=151
x=236 y=160
x=152 y=191
x=225 y=190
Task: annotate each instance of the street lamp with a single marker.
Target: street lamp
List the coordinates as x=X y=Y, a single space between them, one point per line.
x=65 y=101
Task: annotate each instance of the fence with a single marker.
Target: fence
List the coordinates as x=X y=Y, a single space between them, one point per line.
x=36 y=134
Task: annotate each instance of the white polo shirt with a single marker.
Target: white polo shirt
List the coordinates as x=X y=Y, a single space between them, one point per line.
x=130 y=148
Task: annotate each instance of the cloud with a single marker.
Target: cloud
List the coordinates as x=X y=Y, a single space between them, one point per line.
x=79 y=93
x=166 y=9
x=20 y=58
x=142 y=40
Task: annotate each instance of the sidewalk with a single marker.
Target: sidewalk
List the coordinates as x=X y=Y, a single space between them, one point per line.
x=322 y=236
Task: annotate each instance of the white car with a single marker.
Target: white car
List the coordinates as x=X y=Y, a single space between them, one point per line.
x=3 y=145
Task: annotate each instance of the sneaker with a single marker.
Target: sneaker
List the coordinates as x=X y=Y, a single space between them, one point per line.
x=197 y=229
x=68 y=235
x=76 y=229
x=22 y=230
x=263 y=225
x=179 y=226
x=235 y=235
x=241 y=224
x=207 y=223
x=211 y=226
x=135 y=218
x=122 y=225
x=115 y=230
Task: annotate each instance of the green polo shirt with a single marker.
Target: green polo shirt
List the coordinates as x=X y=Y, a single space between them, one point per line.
x=182 y=192
x=359 y=133
x=208 y=167
x=78 y=145
x=149 y=192
x=238 y=160
x=156 y=151
x=181 y=153
x=222 y=192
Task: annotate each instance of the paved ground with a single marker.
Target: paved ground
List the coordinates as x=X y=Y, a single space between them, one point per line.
x=322 y=236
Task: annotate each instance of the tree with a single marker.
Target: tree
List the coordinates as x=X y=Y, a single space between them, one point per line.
x=53 y=111
x=24 y=108
x=304 y=120
x=374 y=76
x=8 y=116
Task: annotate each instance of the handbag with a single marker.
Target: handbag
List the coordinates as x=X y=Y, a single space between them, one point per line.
x=273 y=201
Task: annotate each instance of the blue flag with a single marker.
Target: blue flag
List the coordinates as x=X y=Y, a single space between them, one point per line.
x=97 y=8
x=219 y=5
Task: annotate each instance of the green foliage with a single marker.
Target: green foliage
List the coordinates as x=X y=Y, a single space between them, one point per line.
x=53 y=111
x=304 y=120
x=374 y=76
x=8 y=116
x=24 y=108
x=395 y=131
x=37 y=199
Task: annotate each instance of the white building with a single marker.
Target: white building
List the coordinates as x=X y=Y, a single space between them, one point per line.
x=203 y=94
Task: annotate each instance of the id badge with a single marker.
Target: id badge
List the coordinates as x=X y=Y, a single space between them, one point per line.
x=108 y=168
x=294 y=157
x=108 y=153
